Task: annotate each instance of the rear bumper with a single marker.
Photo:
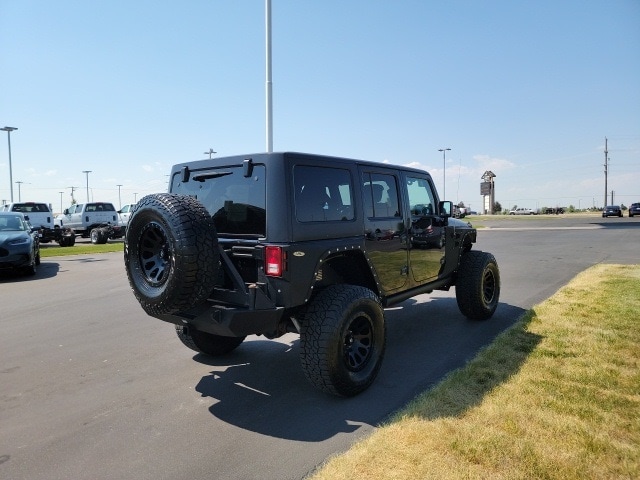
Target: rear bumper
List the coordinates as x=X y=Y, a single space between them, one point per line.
x=229 y=321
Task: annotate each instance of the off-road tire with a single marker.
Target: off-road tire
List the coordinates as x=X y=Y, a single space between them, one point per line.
x=478 y=285
x=342 y=339
x=207 y=343
x=170 y=253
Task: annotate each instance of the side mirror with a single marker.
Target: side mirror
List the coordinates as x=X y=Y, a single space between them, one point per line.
x=446 y=209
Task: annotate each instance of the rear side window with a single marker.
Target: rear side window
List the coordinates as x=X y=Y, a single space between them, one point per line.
x=380 y=195
x=236 y=203
x=322 y=194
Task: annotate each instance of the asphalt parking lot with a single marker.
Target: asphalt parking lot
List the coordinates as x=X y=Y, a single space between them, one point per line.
x=92 y=388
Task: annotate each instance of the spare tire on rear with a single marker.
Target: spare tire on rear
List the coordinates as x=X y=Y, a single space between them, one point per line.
x=170 y=253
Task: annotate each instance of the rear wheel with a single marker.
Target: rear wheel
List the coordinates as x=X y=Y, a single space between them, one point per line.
x=207 y=343
x=98 y=236
x=342 y=339
x=478 y=285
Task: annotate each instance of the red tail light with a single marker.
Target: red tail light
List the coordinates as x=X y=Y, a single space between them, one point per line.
x=273 y=261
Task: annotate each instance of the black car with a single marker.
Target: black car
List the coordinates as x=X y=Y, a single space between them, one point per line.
x=19 y=244
x=612 y=211
x=634 y=209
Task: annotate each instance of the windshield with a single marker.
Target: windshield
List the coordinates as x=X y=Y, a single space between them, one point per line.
x=236 y=202
x=12 y=223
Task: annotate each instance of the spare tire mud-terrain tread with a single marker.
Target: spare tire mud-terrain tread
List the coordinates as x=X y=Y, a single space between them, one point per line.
x=478 y=285
x=342 y=339
x=171 y=253
x=207 y=343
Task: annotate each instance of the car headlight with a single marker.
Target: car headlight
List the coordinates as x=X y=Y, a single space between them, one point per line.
x=19 y=241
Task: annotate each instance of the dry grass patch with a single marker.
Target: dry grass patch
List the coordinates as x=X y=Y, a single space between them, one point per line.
x=557 y=396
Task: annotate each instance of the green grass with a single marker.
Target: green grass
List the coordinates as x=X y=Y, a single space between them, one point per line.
x=557 y=396
x=54 y=250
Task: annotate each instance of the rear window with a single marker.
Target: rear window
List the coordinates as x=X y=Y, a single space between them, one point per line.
x=100 y=207
x=236 y=202
x=30 y=207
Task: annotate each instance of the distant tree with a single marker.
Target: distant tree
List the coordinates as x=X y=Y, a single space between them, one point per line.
x=461 y=205
x=497 y=208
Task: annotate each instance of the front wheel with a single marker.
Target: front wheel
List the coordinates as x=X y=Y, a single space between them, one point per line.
x=478 y=285
x=342 y=339
x=207 y=343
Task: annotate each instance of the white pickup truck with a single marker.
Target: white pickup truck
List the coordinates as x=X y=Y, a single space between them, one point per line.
x=99 y=220
x=40 y=216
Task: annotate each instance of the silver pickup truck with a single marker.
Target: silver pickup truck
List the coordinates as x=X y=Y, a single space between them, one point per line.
x=99 y=220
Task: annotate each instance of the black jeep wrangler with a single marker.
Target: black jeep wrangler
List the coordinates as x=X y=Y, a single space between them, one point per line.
x=289 y=242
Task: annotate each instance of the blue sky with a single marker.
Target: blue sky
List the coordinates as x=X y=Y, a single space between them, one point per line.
x=528 y=90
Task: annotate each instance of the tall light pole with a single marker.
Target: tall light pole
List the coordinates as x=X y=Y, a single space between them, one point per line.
x=135 y=195
x=19 y=196
x=9 y=130
x=606 y=170
x=210 y=153
x=61 y=208
x=269 y=86
x=87 y=172
x=444 y=167
x=119 y=198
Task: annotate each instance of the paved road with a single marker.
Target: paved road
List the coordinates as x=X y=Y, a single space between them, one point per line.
x=92 y=388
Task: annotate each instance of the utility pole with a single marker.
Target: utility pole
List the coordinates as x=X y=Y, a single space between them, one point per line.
x=73 y=200
x=606 y=168
x=210 y=153
x=612 y=202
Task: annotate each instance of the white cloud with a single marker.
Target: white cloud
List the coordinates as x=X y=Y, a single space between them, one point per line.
x=485 y=162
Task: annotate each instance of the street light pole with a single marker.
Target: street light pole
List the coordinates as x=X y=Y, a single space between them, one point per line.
x=87 y=172
x=269 y=83
x=9 y=130
x=119 y=198
x=19 y=196
x=61 y=201
x=444 y=167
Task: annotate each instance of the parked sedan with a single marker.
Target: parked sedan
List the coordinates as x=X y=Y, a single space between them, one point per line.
x=612 y=211
x=19 y=244
x=634 y=209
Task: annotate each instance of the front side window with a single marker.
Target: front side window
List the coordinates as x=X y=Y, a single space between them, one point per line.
x=322 y=194
x=421 y=198
x=236 y=203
